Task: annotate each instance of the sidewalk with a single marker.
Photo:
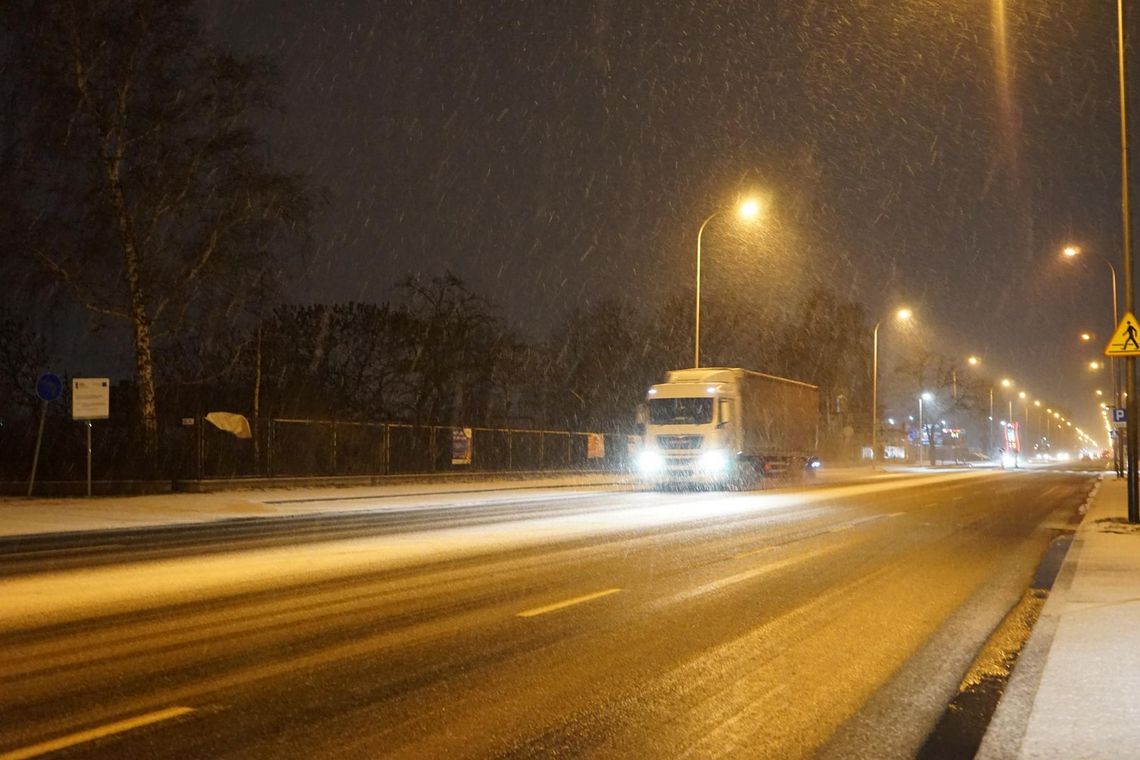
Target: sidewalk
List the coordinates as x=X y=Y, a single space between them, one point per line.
x=1075 y=691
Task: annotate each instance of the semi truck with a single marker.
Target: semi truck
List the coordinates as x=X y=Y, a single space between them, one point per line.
x=724 y=427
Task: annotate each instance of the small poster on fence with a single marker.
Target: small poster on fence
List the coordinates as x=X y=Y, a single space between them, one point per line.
x=461 y=445
x=595 y=446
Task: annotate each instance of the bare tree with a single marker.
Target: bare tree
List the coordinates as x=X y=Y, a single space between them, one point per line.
x=153 y=203
x=23 y=355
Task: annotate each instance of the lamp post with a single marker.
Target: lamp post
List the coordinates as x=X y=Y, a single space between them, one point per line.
x=975 y=362
x=1072 y=251
x=747 y=210
x=924 y=396
x=901 y=315
x=1129 y=391
x=1007 y=384
x=1025 y=401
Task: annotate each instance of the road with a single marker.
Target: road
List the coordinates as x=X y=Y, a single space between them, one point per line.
x=835 y=620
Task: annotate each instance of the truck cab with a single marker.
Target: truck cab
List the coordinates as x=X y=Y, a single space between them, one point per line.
x=718 y=426
x=692 y=434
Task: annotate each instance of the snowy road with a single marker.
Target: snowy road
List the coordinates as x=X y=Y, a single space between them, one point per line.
x=837 y=618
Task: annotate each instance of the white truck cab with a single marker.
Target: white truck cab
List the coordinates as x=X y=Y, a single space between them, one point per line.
x=725 y=426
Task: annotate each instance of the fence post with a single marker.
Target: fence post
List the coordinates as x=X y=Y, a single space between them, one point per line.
x=199 y=447
x=569 y=447
x=510 y=439
x=387 y=449
x=334 y=447
x=269 y=449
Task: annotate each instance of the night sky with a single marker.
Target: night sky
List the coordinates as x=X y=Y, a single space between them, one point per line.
x=557 y=152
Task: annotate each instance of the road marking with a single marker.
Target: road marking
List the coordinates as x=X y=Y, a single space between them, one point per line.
x=558 y=605
x=834 y=529
x=71 y=740
x=748 y=575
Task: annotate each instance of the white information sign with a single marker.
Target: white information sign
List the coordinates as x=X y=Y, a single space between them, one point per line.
x=90 y=398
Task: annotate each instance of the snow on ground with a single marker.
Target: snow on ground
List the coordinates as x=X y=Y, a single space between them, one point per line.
x=66 y=595
x=22 y=516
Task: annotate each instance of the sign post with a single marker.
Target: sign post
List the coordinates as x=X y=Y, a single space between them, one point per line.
x=48 y=388
x=90 y=400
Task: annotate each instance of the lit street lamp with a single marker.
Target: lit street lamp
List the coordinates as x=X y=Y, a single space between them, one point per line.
x=924 y=396
x=901 y=315
x=1072 y=251
x=747 y=210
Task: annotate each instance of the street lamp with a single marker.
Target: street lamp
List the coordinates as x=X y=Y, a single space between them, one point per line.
x=975 y=362
x=1025 y=400
x=902 y=315
x=924 y=396
x=1072 y=251
x=747 y=210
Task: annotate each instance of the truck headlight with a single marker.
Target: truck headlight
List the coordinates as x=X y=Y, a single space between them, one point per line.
x=650 y=462
x=713 y=461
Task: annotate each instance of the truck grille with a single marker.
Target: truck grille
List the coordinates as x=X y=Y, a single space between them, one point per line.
x=679 y=441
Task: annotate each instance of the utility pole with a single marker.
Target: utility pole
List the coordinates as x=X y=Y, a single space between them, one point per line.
x=1129 y=305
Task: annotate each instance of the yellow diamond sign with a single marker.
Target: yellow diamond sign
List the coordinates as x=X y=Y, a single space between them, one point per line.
x=1126 y=340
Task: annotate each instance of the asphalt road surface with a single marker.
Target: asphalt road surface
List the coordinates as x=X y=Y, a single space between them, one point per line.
x=835 y=620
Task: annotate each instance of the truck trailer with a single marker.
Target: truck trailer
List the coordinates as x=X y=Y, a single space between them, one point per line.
x=721 y=427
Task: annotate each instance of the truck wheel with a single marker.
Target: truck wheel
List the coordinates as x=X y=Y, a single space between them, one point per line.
x=748 y=477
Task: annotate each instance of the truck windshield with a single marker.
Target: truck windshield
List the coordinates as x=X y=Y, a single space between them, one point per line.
x=680 y=411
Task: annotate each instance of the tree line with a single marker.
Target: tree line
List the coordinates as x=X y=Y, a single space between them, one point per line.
x=139 y=188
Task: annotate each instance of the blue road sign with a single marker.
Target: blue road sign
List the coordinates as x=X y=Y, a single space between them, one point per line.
x=1119 y=414
x=49 y=386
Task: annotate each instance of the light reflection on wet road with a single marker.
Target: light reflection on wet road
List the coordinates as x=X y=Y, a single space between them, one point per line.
x=620 y=624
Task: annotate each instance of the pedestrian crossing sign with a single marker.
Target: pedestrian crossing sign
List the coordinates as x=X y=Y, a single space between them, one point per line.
x=1126 y=340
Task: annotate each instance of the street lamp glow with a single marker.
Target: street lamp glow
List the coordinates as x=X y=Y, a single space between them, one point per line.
x=1086 y=337
x=749 y=209
x=1006 y=382
x=973 y=361
x=927 y=396
x=1021 y=395
x=904 y=314
x=1037 y=403
x=746 y=210
x=1071 y=251
x=1099 y=392
x=1094 y=365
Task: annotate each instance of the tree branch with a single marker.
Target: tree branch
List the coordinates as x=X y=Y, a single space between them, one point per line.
x=64 y=276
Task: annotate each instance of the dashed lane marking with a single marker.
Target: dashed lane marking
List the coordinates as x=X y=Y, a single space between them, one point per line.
x=561 y=605
x=81 y=737
x=834 y=529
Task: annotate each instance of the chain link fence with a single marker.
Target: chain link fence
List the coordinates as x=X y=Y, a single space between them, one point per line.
x=307 y=447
